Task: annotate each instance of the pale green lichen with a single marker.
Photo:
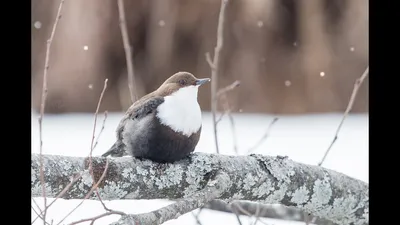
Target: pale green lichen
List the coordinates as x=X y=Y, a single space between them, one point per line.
x=300 y=196
x=33 y=175
x=236 y=196
x=171 y=176
x=277 y=195
x=133 y=195
x=196 y=172
x=281 y=169
x=365 y=215
x=264 y=189
x=322 y=192
x=249 y=182
x=344 y=206
x=141 y=171
x=113 y=190
x=37 y=190
x=67 y=166
x=86 y=180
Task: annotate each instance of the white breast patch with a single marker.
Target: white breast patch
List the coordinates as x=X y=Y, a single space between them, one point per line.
x=181 y=111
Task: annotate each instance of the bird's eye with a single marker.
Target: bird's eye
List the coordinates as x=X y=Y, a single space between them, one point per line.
x=182 y=82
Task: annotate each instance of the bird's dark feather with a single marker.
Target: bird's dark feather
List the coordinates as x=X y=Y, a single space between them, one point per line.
x=137 y=111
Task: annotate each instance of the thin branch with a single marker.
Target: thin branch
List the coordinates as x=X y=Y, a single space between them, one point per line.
x=196 y=216
x=214 y=68
x=62 y=193
x=228 y=88
x=38 y=216
x=90 y=192
x=102 y=129
x=41 y=212
x=240 y=208
x=43 y=102
x=128 y=51
x=264 y=137
x=227 y=111
x=214 y=189
x=357 y=85
x=95 y=121
x=222 y=96
x=94 y=127
x=93 y=219
x=94 y=145
x=257 y=214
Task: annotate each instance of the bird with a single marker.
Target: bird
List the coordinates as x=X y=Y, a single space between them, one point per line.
x=163 y=126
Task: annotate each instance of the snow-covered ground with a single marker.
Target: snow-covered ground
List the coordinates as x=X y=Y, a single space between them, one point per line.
x=301 y=138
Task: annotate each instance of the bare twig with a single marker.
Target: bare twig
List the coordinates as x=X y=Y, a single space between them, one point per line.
x=220 y=117
x=94 y=127
x=62 y=193
x=238 y=219
x=101 y=130
x=94 y=145
x=128 y=51
x=196 y=216
x=93 y=219
x=228 y=88
x=38 y=216
x=240 y=208
x=214 y=68
x=227 y=111
x=43 y=102
x=41 y=212
x=257 y=214
x=90 y=192
x=264 y=137
x=222 y=96
x=357 y=85
x=95 y=122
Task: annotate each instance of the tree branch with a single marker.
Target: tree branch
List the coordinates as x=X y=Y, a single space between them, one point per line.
x=43 y=100
x=267 y=211
x=269 y=180
x=213 y=190
x=128 y=51
x=214 y=67
x=357 y=85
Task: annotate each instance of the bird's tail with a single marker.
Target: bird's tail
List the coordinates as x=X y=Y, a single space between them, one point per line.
x=116 y=150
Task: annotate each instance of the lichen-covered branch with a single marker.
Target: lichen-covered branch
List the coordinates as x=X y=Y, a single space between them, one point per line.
x=269 y=180
x=273 y=211
x=214 y=188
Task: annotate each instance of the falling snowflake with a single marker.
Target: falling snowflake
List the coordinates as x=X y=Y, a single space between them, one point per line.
x=260 y=23
x=288 y=83
x=37 y=24
x=352 y=49
x=322 y=74
x=85 y=47
x=161 y=23
x=90 y=86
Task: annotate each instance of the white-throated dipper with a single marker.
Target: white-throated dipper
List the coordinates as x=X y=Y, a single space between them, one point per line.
x=164 y=125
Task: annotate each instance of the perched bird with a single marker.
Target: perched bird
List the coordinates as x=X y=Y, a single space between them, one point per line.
x=164 y=125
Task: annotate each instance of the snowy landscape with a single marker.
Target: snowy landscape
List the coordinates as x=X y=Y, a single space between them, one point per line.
x=302 y=138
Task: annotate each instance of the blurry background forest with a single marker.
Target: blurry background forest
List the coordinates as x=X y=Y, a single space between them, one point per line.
x=291 y=56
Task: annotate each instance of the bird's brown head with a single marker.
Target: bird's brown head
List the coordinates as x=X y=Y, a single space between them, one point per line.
x=180 y=80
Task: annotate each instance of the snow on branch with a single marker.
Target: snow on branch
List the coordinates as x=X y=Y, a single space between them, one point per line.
x=269 y=180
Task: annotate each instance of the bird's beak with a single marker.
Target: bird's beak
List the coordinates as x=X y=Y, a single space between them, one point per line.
x=202 y=81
